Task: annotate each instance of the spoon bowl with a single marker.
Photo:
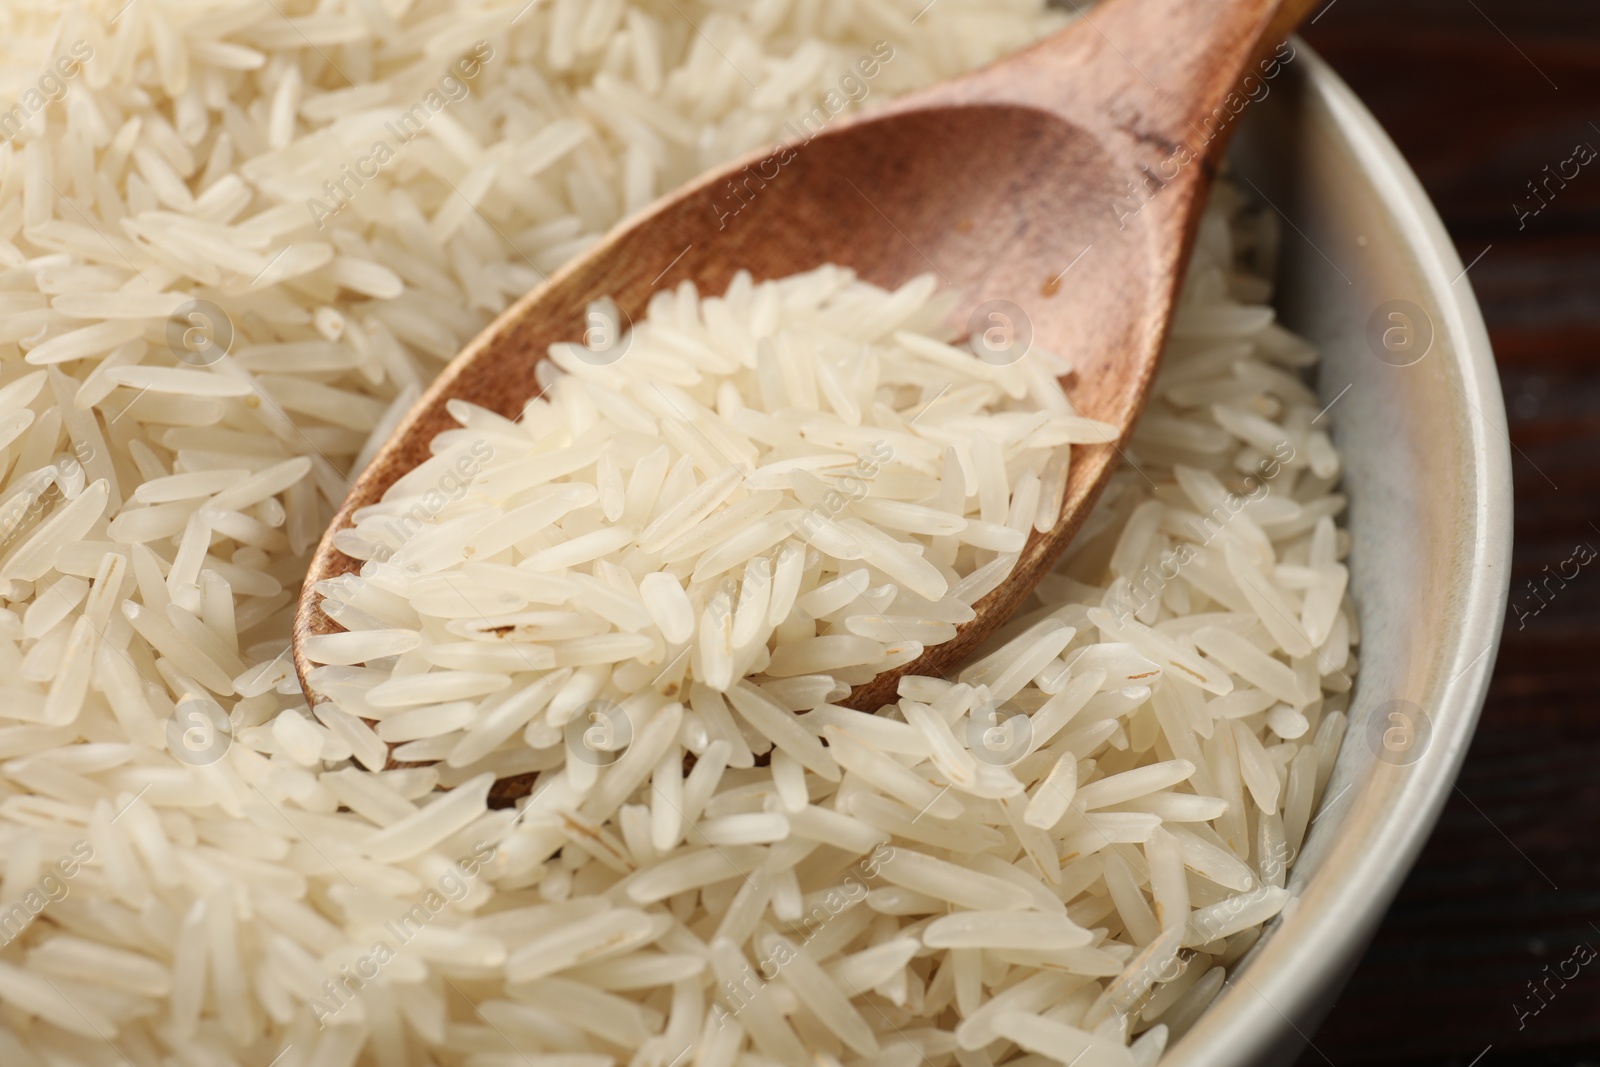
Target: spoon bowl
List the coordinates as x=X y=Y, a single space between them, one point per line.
x=1056 y=192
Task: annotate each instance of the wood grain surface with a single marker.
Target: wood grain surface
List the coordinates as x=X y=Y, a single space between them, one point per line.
x=1481 y=96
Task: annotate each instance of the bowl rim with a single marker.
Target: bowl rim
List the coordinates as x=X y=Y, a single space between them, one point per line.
x=1274 y=998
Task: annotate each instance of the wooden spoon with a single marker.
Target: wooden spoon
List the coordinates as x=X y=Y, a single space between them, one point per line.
x=1066 y=180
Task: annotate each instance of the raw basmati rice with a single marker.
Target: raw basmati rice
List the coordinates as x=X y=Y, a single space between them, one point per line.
x=782 y=473
x=1063 y=850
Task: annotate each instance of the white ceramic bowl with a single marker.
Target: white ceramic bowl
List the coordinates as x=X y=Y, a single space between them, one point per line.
x=1428 y=474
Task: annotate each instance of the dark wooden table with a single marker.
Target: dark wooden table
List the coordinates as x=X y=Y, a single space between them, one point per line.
x=1482 y=96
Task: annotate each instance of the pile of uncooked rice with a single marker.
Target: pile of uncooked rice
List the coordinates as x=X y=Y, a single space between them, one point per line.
x=800 y=481
x=1054 y=857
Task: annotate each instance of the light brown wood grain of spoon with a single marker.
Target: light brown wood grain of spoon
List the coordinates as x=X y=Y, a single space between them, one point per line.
x=1066 y=181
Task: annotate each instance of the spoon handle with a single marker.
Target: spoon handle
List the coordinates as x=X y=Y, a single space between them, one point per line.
x=1173 y=75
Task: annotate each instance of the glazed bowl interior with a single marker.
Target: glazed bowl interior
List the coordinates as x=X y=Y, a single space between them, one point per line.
x=1419 y=420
